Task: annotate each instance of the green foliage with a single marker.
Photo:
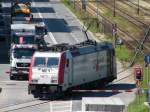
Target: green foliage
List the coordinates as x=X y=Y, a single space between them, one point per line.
x=84 y=17
x=123 y=53
x=138 y=104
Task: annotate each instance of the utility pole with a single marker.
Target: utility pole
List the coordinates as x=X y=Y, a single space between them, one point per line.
x=97 y=13
x=97 y=8
x=138 y=10
x=74 y=4
x=114 y=31
x=114 y=8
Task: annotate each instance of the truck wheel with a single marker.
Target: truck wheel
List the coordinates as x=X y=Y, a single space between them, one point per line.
x=35 y=95
x=29 y=90
x=11 y=77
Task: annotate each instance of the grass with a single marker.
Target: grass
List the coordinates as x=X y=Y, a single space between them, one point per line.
x=83 y=17
x=123 y=54
x=122 y=23
x=138 y=104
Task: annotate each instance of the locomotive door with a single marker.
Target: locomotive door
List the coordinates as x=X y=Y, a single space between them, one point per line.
x=110 y=62
x=69 y=68
x=70 y=72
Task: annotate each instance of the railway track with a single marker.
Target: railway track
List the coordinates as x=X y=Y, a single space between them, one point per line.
x=124 y=35
x=125 y=15
x=134 y=2
x=143 y=10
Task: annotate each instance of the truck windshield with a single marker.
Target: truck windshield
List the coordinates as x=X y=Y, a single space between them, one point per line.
x=45 y=62
x=40 y=30
x=20 y=7
x=21 y=15
x=26 y=39
x=23 y=53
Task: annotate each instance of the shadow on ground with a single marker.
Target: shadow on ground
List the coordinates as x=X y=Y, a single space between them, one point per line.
x=42 y=10
x=4 y=58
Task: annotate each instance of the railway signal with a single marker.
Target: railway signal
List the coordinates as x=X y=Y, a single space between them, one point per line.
x=138 y=74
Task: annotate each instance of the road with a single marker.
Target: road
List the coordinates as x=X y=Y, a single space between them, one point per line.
x=62 y=27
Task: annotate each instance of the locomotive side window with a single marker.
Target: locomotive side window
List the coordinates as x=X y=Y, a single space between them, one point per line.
x=67 y=63
x=40 y=62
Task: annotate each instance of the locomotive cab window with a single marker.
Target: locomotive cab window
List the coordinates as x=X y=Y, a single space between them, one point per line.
x=40 y=62
x=67 y=63
x=52 y=62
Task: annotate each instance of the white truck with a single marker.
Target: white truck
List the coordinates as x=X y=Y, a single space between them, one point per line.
x=64 y=68
x=20 y=58
x=32 y=34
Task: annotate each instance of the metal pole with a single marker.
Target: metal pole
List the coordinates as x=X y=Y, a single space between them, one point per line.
x=97 y=8
x=74 y=4
x=148 y=74
x=114 y=34
x=138 y=10
x=97 y=1
x=114 y=8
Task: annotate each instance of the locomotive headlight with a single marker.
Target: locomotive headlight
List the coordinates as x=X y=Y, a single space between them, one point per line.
x=34 y=81
x=54 y=79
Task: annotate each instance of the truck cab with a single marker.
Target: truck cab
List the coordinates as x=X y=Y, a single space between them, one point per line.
x=21 y=12
x=27 y=34
x=20 y=57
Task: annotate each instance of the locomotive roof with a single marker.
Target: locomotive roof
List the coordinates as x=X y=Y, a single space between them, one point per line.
x=81 y=48
x=47 y=54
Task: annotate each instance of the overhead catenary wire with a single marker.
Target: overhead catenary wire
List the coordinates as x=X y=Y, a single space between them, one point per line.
x=140 y=47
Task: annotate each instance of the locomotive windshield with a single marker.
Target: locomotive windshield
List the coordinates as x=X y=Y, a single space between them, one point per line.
x=23 y=53
x=39 y=61
x=52 y=62
x=46 y=62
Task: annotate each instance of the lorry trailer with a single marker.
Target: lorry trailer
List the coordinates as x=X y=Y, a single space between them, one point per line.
x=64 y=67
x=32 y=34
